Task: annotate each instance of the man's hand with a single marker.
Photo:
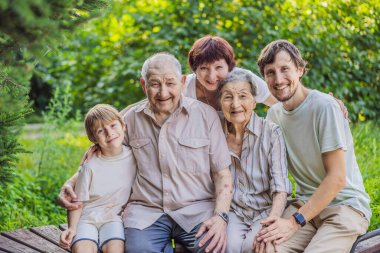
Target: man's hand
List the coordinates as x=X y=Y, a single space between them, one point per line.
x=216 y=229
x=94 y=149
x=67 y=196
x=276 y=230
x=66 y=238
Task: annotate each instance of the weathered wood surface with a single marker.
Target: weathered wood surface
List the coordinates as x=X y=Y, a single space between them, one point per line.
x=33 y=240
x=9 y=245
x=50 y=233
x=46 y=239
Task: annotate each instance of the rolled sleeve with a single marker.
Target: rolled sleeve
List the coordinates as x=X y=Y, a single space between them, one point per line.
x=278 y=165
x=219 y=154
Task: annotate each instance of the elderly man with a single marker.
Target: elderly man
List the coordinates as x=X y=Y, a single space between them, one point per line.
x=332 y=207
x=183 y=185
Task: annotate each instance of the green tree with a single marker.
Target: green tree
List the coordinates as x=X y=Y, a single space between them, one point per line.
x=339 y=38
x=28 y=31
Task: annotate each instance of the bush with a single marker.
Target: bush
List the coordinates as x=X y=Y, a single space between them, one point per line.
x=57 y=147
x=340 y=39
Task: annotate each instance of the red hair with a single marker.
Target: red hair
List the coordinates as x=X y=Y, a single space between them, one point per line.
x=209 y=49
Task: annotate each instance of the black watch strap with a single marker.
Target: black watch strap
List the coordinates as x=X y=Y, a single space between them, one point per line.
x=224 y=216
x=299 y=219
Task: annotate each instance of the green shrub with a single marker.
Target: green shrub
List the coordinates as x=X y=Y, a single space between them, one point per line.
x=340 y=40
x=367 y=149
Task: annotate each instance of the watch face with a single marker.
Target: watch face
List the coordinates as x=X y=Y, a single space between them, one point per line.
x=224 y=216
x=299 y=219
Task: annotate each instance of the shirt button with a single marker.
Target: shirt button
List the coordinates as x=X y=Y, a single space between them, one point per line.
x=166 y=193
x=165 y=175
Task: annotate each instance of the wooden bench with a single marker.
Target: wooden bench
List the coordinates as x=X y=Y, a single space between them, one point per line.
x=46 y=239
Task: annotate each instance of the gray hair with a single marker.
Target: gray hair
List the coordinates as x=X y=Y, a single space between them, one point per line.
x=162 y=56
x=238 y=75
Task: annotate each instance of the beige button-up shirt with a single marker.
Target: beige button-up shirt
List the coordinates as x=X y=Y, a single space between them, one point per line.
x=261 y=170
x=175 y=164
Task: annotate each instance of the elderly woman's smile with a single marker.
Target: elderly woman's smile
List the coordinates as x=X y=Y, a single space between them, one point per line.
x=237 y=102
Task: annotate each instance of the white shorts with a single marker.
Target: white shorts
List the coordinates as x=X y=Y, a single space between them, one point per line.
x=113 y=230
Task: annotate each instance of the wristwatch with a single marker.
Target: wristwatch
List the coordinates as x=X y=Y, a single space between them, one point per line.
x=224 y=216
x=299 y=219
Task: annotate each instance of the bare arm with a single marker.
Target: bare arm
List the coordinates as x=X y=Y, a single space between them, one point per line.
x=216 y=227
x=282 y=229
x=334 y=181
x=67 y=194
x=271 y=100
x=223 y=190
x=68 y=235
x=279 y=203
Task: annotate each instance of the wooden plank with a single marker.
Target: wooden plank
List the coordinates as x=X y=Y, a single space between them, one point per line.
x=50 y=233
x=8 y=245
x=34 y=241
x=370 y=245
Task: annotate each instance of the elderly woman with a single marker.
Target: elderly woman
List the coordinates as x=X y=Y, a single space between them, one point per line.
x=259 y=165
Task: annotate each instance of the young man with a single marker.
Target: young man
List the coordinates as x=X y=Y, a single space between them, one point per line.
x=331 y=208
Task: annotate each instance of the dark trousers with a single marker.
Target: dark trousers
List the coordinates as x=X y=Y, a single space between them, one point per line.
x=158 y=237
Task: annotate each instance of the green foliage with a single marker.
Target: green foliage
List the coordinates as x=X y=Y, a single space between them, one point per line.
x=340 y=39
x=28 y=31
x=367 y=148
x=57 y=147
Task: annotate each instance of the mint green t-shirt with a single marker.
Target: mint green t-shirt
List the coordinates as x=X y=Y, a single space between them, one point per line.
x=317 y=126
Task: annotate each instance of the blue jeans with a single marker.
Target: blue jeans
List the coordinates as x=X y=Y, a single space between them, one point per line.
x=158 y=236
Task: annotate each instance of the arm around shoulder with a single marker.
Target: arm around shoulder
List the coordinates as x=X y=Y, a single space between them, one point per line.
x=67 y=194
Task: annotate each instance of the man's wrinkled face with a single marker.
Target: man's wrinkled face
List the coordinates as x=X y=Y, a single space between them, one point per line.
x=163 y=86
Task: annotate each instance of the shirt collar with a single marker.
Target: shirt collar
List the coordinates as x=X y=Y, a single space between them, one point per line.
x=254 y=124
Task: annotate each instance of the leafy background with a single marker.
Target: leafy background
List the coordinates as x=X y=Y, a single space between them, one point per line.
x=59 y=58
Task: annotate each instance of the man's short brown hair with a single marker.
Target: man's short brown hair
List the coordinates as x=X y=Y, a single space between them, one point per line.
x=98 y=116
x=269 y=53
x=209 y=49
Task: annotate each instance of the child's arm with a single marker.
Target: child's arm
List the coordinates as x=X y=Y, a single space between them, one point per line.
x=68 y=235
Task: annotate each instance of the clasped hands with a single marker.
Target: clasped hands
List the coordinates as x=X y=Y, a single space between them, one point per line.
x=274 y=231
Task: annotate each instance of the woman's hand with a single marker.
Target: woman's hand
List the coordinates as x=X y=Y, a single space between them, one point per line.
x=343 y=108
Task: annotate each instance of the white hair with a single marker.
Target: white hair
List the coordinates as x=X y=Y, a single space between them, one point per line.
x=157 y=57
x=238 y=75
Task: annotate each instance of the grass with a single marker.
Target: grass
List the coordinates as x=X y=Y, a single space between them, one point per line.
x=56 y=152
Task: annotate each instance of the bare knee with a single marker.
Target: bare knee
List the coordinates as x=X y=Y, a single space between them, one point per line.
x=113 y=246
x=85 y=246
